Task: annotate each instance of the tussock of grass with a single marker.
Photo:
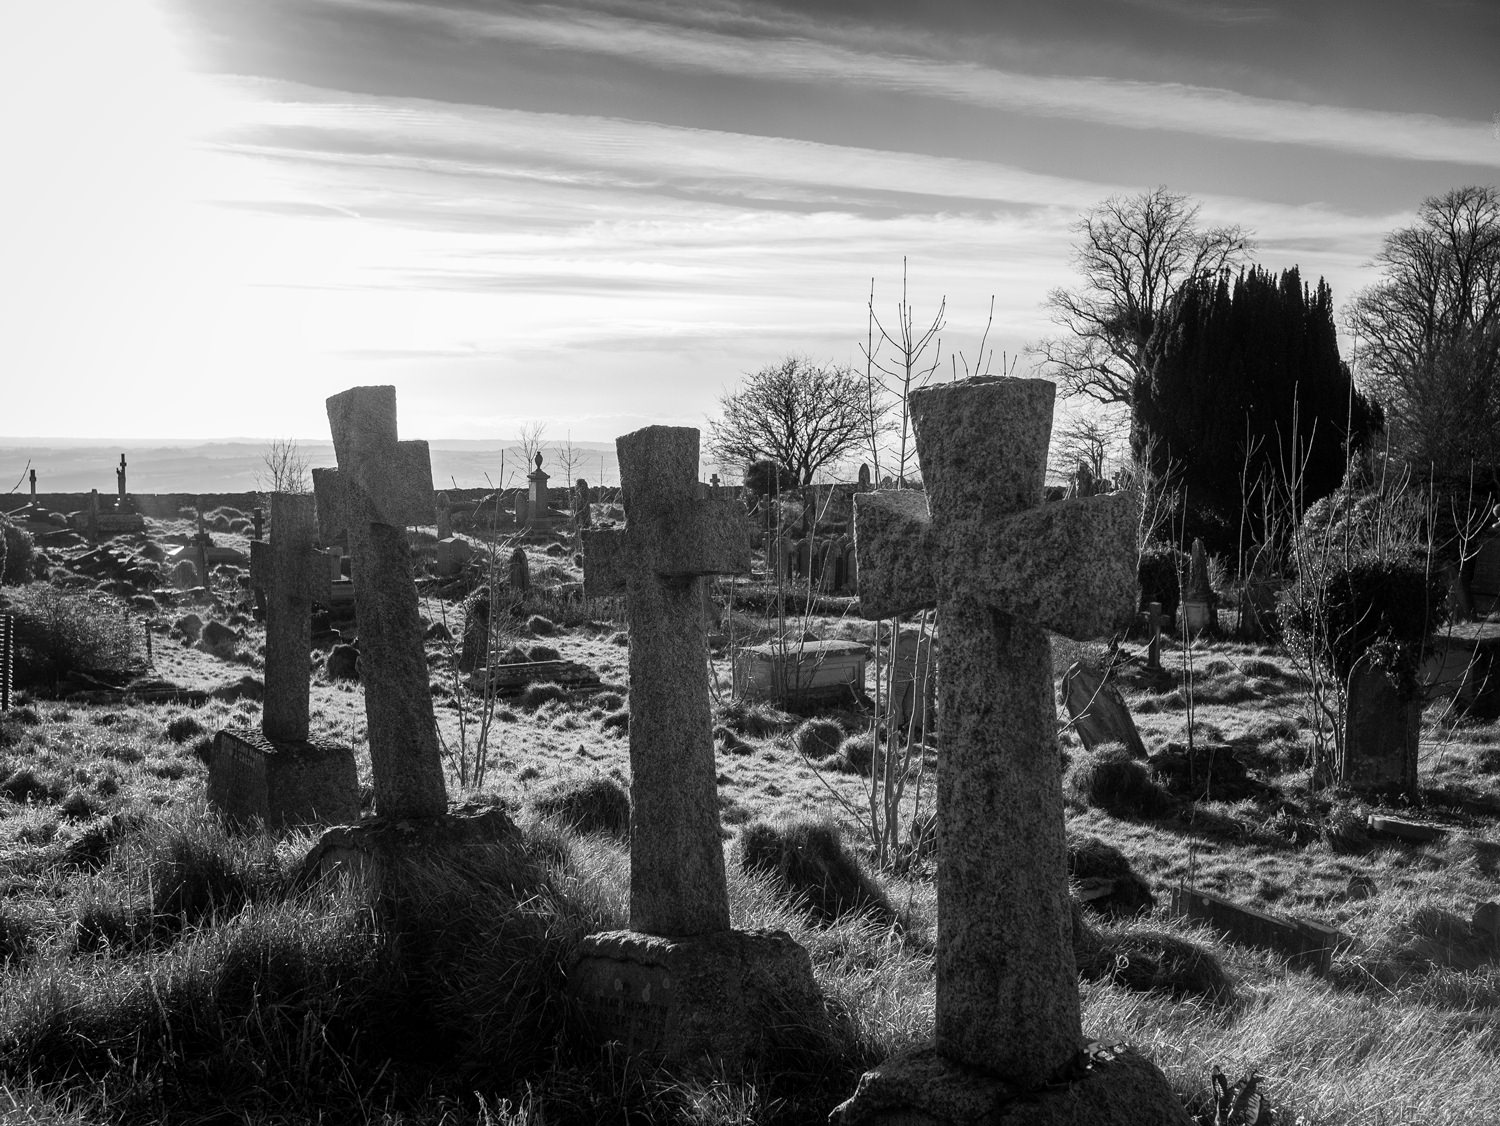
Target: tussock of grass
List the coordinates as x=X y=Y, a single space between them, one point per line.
x=754 y=720
x=594 y=803
x=1109 y=778
x=806 y=859
x=816 y=739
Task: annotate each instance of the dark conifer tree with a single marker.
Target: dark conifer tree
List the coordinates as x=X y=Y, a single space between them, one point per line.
x=1245 y=392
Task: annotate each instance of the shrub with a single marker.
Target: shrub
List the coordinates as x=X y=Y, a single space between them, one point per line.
x=1365 y=606
x=806 y=859
x=817 y=739
x=1158 y=569
x=58 y=632
x=1109 y=778
x=17 y=554
x=593 y=804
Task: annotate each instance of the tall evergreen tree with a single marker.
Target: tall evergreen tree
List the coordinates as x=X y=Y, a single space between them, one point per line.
x=1246 y=392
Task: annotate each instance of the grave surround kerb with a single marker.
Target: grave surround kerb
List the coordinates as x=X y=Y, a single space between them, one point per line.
x=384 y=488
x=680 y=986
x=1001 y=568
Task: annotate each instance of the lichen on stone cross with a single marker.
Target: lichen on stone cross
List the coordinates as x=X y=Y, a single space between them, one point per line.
x=1001 y=568
x=292 y=574
x=379 y=490
x=671 y=539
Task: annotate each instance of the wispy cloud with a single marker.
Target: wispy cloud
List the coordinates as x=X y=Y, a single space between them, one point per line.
x=1199 y=110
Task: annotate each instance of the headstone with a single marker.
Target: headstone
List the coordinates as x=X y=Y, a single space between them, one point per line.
x=864 y=477
x=257 y=524
x=377 y=482
x=679 y=984
x=1155 y=621
x=802 y=559
x=120 y=479
x=444 y=517
x=1199 y=602
x=520 y=572
x=277 y=775
x=536 y=498
x=32 y=474
x=581 y=514
x=7 y=659
x=523 y=509
x=913 y=682
x=1098 y=711
x=1381 y=729
x=94 y=514
x=1001 y=568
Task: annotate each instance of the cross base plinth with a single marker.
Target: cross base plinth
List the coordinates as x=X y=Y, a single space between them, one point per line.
x=281 y=782
x=379 y=850
x=923 y=1088
x=704 y=1000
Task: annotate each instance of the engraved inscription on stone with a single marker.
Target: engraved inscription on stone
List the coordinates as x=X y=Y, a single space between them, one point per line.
x=629 y=1002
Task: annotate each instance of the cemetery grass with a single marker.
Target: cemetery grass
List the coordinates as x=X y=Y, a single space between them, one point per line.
x=159 y=968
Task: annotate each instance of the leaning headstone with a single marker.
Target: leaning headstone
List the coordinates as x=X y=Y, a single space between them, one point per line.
x=1381 y=730
x=1002 y=569
x=913 y=682
x=277 y=776
x=680 y=984
x=1098 y=711
x=378 y=484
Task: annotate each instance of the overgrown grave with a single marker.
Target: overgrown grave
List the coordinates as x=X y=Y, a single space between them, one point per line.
x=1001 y=568
x=277 y=776
x=680 y=985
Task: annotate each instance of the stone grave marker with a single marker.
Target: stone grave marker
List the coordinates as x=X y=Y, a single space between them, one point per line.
x=1199 y=601
x=680 y=984
x=7 y=659
x=1098 y=711
x=32 y=475
x=382 y=490
x=1381 y=730
x=864 y=477
x=276 y=775
x=120 y=479
x=581 y=514
x=257 y=524
x=802 y=672
x=1001 y=568
x=537 y=498
x=520 y=572
x=444 y=517
x=914 y=682
x=1305 y=944
x=1155 y=620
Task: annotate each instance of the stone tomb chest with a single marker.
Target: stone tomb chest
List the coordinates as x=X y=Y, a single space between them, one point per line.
x=802 y=671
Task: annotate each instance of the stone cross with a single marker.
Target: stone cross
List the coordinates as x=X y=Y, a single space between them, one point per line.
x=713 y=484
x=293 y=574
x=120 y=478
x=381 y=496
x=671 y=540
x=258 y=523
x=33 y=484
x=1002 y=569
x=1155 y=619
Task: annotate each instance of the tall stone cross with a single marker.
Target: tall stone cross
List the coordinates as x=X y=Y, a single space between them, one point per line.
x=383 y=485
x=120 y=478
x=293 y=575
x=1002 y=569
x=671 y=540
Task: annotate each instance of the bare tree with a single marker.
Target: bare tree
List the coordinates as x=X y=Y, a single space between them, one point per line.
x=1429 y=332
x=909 y=369
x=1134 y=253
x=569 y=457
x=284 y=468
x=801 y=415
x=1093 y=442
x=529 y=443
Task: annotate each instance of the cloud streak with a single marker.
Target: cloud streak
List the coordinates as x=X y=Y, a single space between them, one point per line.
x=1198 y=110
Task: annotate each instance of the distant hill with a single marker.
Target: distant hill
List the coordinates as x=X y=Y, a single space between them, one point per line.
x=68 y=465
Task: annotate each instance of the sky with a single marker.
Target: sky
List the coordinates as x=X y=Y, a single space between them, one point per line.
x=602 y=215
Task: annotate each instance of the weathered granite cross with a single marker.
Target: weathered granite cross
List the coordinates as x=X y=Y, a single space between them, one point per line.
x=383 y=486
x=671 y=540
x=1002 y=569
x=293 y=575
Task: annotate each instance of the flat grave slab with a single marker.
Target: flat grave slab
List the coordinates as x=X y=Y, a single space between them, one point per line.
x=1405 y=830
x=512 y=679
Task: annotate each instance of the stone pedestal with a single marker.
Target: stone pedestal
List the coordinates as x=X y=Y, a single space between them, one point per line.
x=281 y=782
x=709 y=999
x=1199 y=614
x=922 y=1088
